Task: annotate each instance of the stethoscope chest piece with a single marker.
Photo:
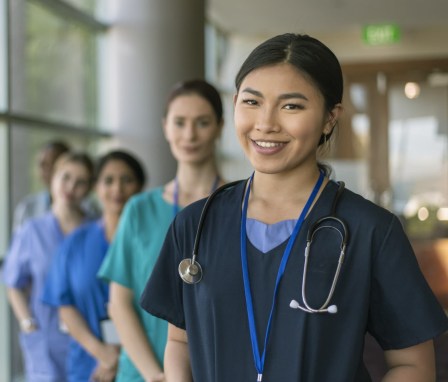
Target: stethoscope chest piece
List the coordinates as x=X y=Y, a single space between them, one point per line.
x=190 y=271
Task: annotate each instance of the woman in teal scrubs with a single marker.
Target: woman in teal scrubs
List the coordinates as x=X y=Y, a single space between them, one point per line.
x=192 y=123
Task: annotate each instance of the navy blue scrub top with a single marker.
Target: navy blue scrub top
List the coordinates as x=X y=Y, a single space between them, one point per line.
x=380 y=290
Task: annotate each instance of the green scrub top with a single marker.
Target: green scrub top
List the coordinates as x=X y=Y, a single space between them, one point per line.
x=130 y=260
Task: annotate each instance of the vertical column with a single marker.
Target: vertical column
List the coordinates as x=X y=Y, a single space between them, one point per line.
x=153 y=44
x=379 y=139
x=5 y=317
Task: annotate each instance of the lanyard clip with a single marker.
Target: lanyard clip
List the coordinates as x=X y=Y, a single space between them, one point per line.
x=260 y=376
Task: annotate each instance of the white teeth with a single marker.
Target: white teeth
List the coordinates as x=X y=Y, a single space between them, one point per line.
x=267 y=144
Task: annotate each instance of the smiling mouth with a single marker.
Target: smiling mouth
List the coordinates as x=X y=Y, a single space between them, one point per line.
x=268 y=145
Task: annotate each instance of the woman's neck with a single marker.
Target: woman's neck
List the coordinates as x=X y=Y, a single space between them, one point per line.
x=193 y=182
x=69 y=217
x=277 y=197
x=110 y=221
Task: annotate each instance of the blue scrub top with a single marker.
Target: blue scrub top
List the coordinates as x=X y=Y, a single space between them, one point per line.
x=28 y=259
x=72 y=281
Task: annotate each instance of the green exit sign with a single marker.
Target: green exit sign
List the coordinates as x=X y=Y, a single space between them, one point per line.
x=381 y=34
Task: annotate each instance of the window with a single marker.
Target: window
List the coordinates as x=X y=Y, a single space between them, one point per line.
x=50 y=61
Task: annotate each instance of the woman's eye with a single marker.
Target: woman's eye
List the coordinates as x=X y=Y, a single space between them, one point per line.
x=293 y=106
x=65 y=177
x=250 y=102
x=108 y=180
x=179 y=123
x=127 y=179
x=203 y=123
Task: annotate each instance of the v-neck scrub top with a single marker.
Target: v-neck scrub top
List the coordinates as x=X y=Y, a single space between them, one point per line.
x=72 y=281
x=380 y=290
x=131 y=258
x=26 y=265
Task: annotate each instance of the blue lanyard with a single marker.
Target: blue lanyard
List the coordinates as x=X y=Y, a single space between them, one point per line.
x=259 y=361
x=176 y=193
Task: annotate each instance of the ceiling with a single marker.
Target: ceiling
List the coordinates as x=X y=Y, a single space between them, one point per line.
x=263 y=18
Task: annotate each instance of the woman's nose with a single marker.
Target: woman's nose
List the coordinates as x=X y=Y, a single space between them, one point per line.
x=267 y=120
x=190 y=131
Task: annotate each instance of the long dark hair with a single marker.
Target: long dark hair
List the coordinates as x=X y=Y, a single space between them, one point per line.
x=201 y=88
x=129 y=159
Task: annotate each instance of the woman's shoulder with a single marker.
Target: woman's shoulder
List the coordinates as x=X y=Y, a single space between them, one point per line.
x=360 y=210
x=90 y=227
x=143 y=196
x=145 y=200
x=37 y=223
x=227 y=195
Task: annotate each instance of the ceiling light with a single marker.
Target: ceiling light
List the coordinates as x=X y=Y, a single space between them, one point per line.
x=422 y=214
x=412 y=90
x=442 y=214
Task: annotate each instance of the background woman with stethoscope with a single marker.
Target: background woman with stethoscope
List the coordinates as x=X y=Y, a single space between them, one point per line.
x=283 y=274
x=192 y=124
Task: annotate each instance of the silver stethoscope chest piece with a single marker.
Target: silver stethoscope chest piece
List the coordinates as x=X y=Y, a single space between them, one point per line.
x=190 y=271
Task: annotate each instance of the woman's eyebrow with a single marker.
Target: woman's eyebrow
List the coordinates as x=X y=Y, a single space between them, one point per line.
x=293 y=95
x=281 y=97
x=253 y=92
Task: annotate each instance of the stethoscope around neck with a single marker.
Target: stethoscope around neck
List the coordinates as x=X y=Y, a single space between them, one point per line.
x=191 y=271
x=323 y=223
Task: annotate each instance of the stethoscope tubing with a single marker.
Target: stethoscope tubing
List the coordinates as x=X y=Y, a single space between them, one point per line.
x=191 y=272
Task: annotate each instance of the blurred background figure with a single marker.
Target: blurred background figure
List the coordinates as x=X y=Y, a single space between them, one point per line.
x=43 y=343
x=72 y=284
x=38 y=203
x=192 y=124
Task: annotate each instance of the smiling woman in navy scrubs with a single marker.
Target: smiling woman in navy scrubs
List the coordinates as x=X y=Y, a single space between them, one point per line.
x=241 y=322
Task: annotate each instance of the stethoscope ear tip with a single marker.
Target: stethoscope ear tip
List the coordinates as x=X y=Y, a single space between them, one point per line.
x=294 y=304
x=332 y=309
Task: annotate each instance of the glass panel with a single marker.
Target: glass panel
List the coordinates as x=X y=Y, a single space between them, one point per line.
x=55 y=66
x=88 y=6
x=351 y=143
x=5 y=330
x=419 y=172
x=419 y=159
x=4 y=227
x=3 y=58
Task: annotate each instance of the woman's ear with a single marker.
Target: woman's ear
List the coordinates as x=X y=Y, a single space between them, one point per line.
x=333 y=118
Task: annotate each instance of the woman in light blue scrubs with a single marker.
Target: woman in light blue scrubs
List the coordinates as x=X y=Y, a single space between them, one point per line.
x=43 y=341
x=72 y=284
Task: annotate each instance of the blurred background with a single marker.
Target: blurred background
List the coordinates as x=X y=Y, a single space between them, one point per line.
x=96 y=73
